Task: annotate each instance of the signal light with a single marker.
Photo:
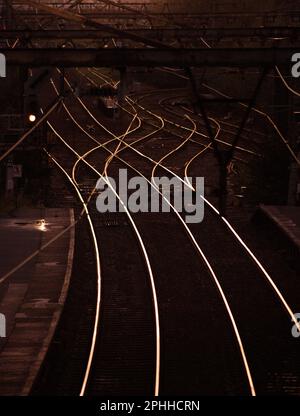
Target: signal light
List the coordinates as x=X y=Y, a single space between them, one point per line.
x=31 y=118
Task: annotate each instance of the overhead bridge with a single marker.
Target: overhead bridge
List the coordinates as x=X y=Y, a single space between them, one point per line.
x=156 y=33
x=150 y=57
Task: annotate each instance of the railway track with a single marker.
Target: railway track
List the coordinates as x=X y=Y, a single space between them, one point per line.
x=278 y=365
x=193 y=387
x=260 y=313
x=279 y=373
x=174 y=367
x=126 y=303
x=173 y=126
x=186 y=310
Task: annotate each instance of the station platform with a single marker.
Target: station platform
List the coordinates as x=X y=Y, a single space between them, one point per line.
x=286 y=219
x=32 y=297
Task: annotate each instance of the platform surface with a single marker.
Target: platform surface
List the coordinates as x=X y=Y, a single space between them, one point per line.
x=287 y=219
x=31 y=298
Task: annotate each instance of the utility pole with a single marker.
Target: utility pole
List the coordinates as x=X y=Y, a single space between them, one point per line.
x=224 y=157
